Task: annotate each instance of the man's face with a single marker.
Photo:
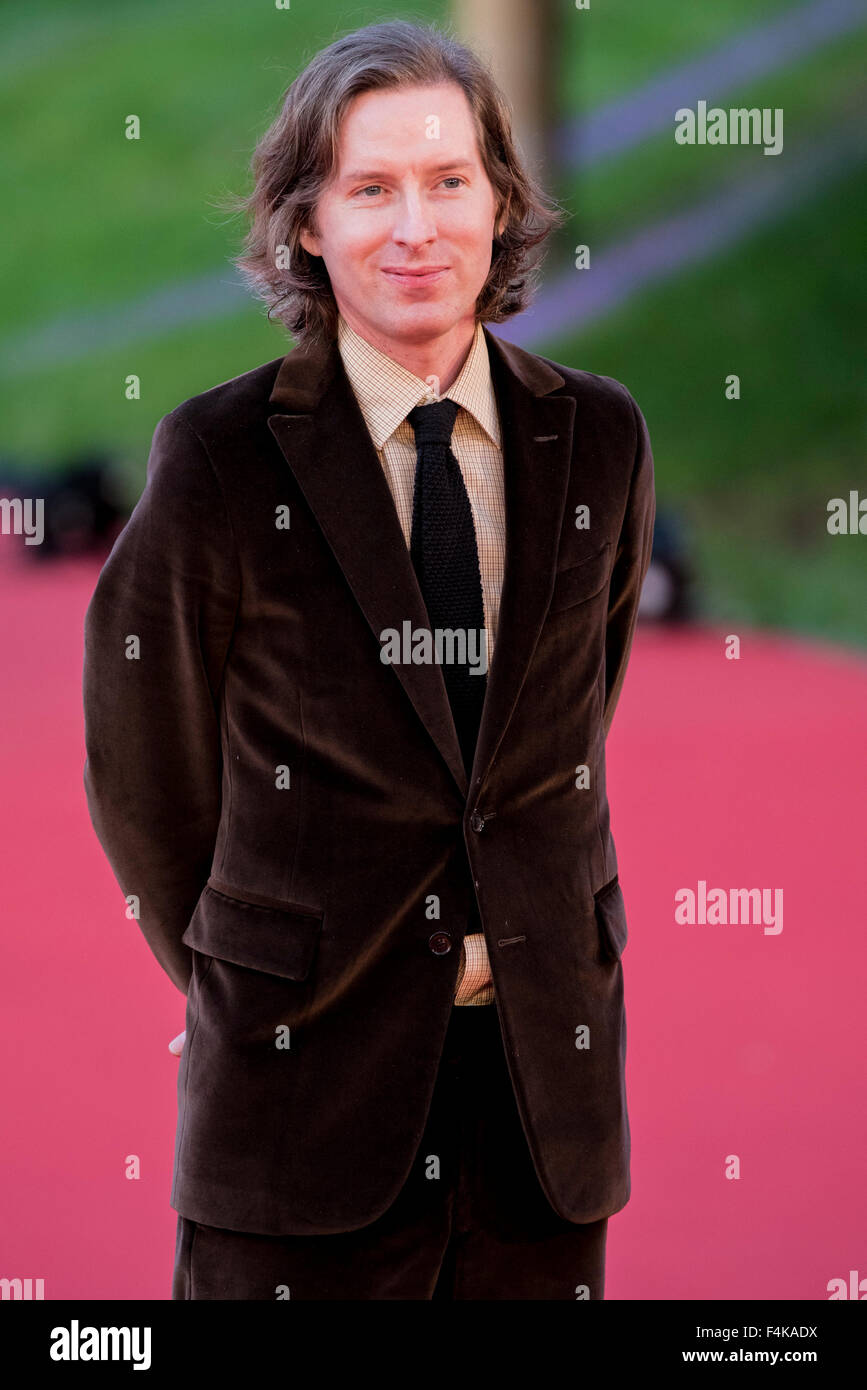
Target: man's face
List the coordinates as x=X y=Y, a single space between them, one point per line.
x=409 y=193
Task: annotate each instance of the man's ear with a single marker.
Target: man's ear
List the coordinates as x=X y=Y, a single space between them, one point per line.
x=310 y=242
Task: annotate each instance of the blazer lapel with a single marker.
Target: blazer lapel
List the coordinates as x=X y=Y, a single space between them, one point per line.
x=327 y=445
x=322 y=434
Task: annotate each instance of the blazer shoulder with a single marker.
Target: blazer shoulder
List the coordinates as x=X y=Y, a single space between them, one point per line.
x=604 y=403
x=591 y=388
x=230 y=406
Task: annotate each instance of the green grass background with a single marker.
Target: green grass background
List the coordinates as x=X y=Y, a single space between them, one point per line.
x=95 y=222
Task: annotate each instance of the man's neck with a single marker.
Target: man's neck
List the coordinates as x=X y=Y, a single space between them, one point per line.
x=441 y=359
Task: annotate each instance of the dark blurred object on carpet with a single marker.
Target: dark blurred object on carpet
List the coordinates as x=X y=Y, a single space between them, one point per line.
x=667 y=595
x=84 y=508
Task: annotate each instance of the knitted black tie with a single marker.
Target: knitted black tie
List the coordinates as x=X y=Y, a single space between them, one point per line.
x=445 y=555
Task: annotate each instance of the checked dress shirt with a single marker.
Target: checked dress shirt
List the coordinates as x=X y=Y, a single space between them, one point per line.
x=386 y=393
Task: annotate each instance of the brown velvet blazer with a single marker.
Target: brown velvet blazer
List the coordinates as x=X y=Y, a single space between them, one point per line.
x=291 y=815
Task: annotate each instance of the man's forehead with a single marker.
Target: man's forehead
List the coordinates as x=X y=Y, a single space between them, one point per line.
x=374 y=111
x=361 y=142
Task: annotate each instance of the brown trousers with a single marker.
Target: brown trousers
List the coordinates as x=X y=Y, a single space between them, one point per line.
x=471 y=1221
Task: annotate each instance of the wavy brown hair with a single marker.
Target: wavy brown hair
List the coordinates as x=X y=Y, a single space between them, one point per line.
x=294 y=160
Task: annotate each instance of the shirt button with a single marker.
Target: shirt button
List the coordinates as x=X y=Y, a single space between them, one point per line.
x=477 y=821
x=440 y=943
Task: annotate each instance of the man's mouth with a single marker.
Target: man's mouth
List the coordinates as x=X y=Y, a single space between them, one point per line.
x=415 y=275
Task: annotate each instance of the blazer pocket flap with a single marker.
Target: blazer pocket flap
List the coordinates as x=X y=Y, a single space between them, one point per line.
x=275 y=940
x=611 y=916
x=581 y=581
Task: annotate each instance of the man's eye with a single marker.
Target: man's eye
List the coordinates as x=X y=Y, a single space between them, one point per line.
x=377 y=187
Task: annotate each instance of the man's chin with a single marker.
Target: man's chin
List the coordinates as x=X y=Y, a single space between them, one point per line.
x=413 y=322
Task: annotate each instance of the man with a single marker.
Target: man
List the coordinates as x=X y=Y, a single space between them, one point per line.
x=349 y=671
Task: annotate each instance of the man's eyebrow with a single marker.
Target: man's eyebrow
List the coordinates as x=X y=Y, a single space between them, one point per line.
x=368 y=175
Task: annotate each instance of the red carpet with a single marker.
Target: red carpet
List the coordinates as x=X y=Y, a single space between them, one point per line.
x=746 y=774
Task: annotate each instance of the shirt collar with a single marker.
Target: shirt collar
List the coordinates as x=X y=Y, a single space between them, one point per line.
x=387 y=392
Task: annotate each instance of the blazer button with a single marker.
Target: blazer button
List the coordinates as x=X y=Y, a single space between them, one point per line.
x=440 y=943
x=477 y=821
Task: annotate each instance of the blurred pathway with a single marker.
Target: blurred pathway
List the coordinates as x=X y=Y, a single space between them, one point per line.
x=573 y=299
x=620 y=125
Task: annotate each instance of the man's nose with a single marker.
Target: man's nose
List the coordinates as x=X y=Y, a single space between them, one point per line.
x=413 y=222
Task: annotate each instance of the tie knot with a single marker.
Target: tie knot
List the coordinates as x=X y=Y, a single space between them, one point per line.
x=433 y=424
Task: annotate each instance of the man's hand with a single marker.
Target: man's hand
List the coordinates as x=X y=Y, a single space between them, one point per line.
x=177 y=1044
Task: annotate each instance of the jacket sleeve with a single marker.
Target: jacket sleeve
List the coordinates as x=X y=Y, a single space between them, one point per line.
x=630 y=566
x=156 y=634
